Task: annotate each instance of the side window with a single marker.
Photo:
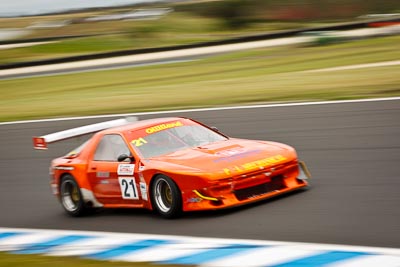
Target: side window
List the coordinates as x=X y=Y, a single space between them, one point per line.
x=110 y=147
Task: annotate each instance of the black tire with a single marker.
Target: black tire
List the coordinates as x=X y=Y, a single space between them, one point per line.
x=71 y=197
x=166 y=197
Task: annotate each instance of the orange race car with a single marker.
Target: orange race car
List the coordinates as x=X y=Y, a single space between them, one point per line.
x=169 y=165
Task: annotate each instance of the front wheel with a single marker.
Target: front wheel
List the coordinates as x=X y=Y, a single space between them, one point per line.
x=166 y=197
x=71 y=197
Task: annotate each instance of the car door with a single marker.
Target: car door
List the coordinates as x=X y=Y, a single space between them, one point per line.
x=113 y=182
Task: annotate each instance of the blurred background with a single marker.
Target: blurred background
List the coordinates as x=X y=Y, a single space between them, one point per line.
x=303 y=37
x=115 y=25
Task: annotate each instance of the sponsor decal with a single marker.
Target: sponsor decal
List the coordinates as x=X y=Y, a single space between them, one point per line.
x=232 y=155
x=143 y=190
x=229 y=152
x=194 y=200
x=139 y=142
x=72 y=153
x=104 y=182
x=258 y=164
x=64 y=168
x=163 y=126
x=141 y=177
x=126 y=169
x=54 y=189
x=128 y=188
x=258 y=195
x=102 y=174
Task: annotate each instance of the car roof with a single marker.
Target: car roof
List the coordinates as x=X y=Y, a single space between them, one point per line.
x=140 y=124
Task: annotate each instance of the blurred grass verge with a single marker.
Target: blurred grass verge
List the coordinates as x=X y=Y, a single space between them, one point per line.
x=11 y=260
x=252 y=76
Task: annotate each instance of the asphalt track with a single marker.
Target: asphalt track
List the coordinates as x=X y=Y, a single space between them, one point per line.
x=80 y=69
x=352 y=150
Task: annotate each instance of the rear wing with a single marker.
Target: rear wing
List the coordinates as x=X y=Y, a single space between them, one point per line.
x=41 y=142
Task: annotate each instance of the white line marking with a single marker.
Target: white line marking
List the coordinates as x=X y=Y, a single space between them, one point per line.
x=66 y=72
x=11 y=46
x=358 y=66
x=295 y=104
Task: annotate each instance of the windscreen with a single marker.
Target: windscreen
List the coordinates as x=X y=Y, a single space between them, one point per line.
x=173 y=136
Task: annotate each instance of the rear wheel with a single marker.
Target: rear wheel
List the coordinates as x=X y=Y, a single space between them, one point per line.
x=166 y=197
x=71 y=197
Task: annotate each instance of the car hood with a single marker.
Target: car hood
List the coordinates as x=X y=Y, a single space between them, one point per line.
x=226 y=158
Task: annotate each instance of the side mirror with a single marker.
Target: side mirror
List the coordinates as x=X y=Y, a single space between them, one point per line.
x=123 y=157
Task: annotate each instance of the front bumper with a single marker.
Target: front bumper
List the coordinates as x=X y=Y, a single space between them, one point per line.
x=248 y=188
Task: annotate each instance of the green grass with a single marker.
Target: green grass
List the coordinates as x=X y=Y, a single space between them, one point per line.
x=253 y=76
x=11 y=260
